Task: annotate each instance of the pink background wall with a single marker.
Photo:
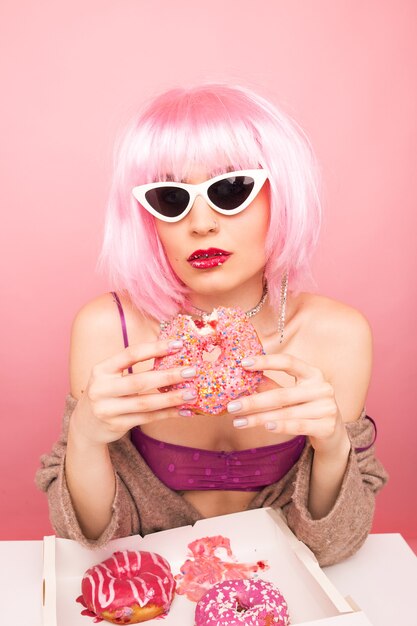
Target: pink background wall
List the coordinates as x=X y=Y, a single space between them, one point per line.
x=72 y=73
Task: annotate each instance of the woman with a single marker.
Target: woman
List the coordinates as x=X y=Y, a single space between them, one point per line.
x=234 y=225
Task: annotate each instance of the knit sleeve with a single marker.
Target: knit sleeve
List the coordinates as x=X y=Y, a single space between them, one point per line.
x=344 y=529
x=50 y=478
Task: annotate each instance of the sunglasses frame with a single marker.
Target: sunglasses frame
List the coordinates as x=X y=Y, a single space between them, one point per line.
x=200 y=189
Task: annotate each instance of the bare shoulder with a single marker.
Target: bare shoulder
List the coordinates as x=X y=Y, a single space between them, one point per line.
x=97 y=334
x=341 y=340
x=335 y=320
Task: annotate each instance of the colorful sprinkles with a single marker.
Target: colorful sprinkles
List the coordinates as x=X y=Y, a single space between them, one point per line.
x=224 y=379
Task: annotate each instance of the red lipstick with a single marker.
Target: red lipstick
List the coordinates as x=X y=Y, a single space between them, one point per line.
x=206 y=259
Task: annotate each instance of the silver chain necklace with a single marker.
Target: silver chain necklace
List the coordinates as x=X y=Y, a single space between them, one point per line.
x=201 y=313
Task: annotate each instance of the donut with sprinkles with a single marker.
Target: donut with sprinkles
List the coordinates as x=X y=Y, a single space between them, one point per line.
x=217 y=381
x=242 y=603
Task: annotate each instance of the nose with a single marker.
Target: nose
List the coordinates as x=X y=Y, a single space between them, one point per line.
x=202 y=218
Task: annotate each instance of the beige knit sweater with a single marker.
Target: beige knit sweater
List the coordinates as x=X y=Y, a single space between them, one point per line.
x=143 y=504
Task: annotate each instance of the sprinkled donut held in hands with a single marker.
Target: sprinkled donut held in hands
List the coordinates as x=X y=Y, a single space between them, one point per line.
x=217 y=381
x=128 y=588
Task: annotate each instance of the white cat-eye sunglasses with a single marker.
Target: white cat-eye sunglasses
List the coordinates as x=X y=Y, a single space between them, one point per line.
x=229 y=193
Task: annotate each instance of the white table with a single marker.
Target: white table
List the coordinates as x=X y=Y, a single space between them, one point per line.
x=381 y=577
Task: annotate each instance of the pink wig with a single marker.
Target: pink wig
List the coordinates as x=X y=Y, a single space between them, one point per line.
x=220 y=127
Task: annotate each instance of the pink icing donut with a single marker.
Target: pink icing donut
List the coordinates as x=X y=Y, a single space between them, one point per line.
x=227 y=331
x=242 y=603
x=129 y=587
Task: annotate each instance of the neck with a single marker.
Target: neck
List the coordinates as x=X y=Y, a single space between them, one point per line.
x=246 y=297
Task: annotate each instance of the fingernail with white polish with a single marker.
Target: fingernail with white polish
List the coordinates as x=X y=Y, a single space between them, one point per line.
x=185 y=413
x=188 y=372
x=189 y=394
x=175 y=345
x=240 y=422
x=234 y=406
x=248 y=362
x=270 y=425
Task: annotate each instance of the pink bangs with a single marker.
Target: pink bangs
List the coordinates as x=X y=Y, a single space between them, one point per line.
x=183 y=129
x=215 y=127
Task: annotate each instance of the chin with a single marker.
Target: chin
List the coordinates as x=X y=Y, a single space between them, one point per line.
x=210 y=282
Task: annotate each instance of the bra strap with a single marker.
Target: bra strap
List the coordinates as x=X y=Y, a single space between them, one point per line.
x=122 y=322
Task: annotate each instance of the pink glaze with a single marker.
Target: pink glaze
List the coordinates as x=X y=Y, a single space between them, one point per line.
x=206 y=567
x=87 y=612
x=128 y=578
x=242 y=603
x=223 y=380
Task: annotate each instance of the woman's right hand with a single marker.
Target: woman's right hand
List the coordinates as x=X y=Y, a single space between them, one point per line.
x=113 y=403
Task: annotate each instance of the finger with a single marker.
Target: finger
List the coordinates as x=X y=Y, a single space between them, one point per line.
x=275 y=399
x=146 y=403
x=124 y=423
x=137 y=353
x=148 y=381
x=310 y=411
x=310 y=428
x=294 y=427
x=287 y=363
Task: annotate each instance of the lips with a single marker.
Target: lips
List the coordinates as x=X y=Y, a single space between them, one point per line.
x=206 y=259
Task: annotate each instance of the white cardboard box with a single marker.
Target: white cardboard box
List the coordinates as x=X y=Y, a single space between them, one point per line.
x=254 y=535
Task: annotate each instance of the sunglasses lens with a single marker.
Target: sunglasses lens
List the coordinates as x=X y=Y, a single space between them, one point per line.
x=168 y=201
x=230 y=193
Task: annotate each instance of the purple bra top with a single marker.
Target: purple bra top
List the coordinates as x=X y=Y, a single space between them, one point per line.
x=183 y=468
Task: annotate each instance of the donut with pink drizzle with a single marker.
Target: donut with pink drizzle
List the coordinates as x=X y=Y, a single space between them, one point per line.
x=218 y=381
x=242 y=603
x=129 y=587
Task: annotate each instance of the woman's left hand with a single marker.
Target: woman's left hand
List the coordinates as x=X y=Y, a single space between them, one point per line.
x=307 y=408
